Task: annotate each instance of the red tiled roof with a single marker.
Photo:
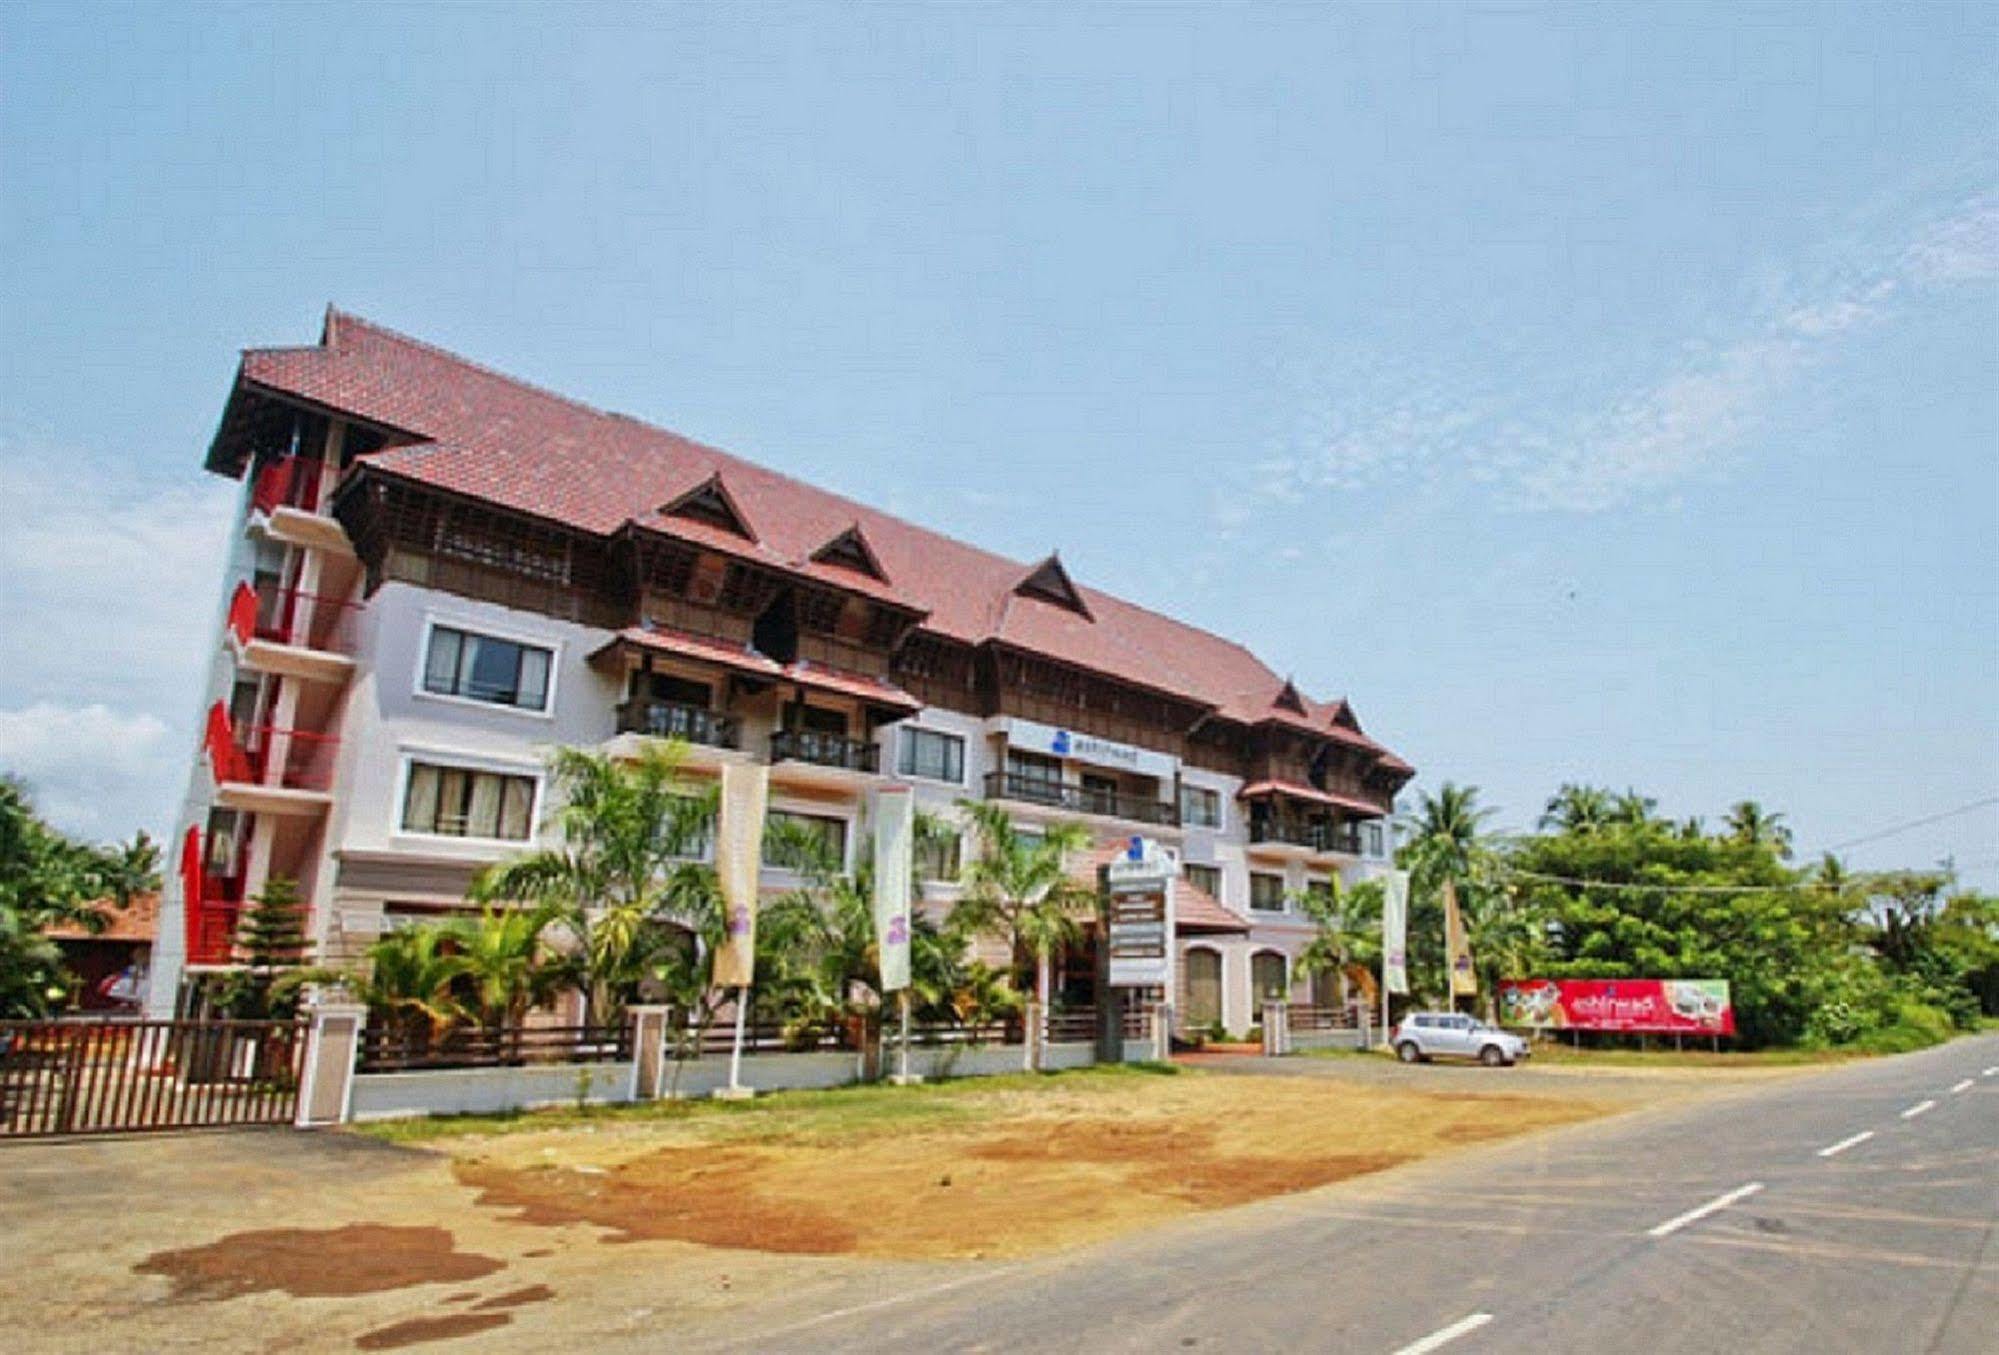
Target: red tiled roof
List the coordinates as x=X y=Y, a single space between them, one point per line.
x=1312 y=793
x=138 y=922
x=510 y=443
x=850 y=684
x=1194 y=908
x=743 y=659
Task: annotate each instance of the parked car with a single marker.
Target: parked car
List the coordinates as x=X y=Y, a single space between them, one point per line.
x=1422 y=1036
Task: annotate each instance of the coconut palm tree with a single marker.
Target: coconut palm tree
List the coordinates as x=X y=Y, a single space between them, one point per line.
x=1753 y=826
x=507 y=961
x=1348 y=918
x=1576 y=809
x=411 y=979
x=1632 y=810
x=1018 y=888
x=1447 y=833
x=628 y=831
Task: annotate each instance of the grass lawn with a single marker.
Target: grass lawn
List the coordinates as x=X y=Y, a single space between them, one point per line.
x=1005 y=1166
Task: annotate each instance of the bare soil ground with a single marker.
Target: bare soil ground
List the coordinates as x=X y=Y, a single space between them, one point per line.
x=549 y=1232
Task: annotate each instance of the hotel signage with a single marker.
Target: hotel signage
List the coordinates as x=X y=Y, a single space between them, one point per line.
x=1034 y=737
x=1138 y=909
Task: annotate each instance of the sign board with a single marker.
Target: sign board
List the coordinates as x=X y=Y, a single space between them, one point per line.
x=1138 y=909
x=1035 y=737
x=1671 y=1006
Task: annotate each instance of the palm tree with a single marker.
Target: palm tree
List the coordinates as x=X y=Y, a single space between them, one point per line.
x=1447 y=833
x=1349 y=929
x=1632 y=810
x=1508 y=936
x=507 y=961
x=1753 y=826
x=1576 y=809
x=1018 y=888
x=411 y=979
x=629 y=831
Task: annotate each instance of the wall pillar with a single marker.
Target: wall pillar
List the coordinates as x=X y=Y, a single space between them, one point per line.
x=1035 y=1030
x=1276 y=1029
x=648 y=1051
x=332 y=1049
x=1162 y=1032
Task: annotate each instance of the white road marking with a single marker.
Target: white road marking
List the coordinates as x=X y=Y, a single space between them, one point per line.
x=1847 y=1143
x=1913 y=1111
x=1963 y=1086
x=1719 y=1202
x=1445 y=1335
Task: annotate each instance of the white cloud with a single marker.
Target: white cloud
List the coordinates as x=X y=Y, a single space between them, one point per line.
x=1646 y=440
x=109 y=582
x=93 y=771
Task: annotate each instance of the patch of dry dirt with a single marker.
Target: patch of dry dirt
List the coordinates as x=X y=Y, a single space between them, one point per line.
x=360 y=1258
x=1034 y=1175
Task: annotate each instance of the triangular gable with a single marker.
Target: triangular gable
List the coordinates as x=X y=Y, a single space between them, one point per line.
x=1343 y=716
x=710 y=502
x=1051 y=583
x=850 y=550
x=1288 y=699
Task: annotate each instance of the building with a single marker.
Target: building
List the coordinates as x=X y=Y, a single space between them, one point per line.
x=441 y=571
x=111 y=961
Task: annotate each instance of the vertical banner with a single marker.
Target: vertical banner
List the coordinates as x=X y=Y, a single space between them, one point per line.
x=1395 y=932
x=895 y=845
x=1457 y=948
x=738 y=860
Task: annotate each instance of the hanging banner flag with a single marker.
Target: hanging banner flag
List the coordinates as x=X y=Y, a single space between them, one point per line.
x=895 y=846
x=738 y=859
x=1457 y=949
x=1395 y=931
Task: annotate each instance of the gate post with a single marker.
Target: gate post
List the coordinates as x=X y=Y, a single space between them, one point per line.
x=1276 y=1029
x=332 y=1048
x=648 y=1052
x=1162 y=1033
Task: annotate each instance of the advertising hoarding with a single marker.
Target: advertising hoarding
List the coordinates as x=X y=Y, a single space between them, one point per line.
x=1652 y=1006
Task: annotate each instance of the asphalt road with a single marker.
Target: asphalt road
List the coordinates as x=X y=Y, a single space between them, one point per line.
x=1731 y=1224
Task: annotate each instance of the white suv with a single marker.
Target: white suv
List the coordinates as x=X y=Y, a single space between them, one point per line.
x=1422 y=1036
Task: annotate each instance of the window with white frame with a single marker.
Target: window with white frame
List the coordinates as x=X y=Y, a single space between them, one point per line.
x=1266 y=892
x=1200 y=807
x=466 y=802
x=939 y=858
x=933 y=755
x=1267 y=977
x=800 y=837
x=486 y=668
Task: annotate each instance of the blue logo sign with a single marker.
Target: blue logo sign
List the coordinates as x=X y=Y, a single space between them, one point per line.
x=1060 y=743
x=1135 y=851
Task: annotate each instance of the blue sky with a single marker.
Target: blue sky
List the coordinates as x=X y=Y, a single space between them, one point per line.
x=1588 y=392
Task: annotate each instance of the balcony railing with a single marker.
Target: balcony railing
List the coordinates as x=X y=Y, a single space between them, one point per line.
x=266 y=755
x=291 y=616
x=671 y=720
x=1057 y=794
x=1320 y=837
x=288 y=482
x=824 y=750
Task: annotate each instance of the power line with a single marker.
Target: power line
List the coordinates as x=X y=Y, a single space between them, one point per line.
x=1914 y=823
x=1654 y=889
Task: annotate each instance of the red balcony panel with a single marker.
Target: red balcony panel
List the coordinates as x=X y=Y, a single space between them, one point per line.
x=292 y=616
x=308 y=757
x=288 y=482
x=225 y=759
x=211 y=931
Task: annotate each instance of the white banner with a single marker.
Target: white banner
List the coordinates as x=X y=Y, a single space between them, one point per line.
x=895 y=846
x=1395 y=931
x=739 y=843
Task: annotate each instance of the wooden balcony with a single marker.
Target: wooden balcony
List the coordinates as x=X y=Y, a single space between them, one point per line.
x=1035 y=790
x=825 y=750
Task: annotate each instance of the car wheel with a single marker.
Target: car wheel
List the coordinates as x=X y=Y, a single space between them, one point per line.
x=1492 y=1056
x=1408 y=1052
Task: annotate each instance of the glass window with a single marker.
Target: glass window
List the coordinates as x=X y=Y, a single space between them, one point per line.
x=938 y=858
x=1266 y=976
x=461 y=802
x=1266 y=892
x=830 y=832
x=927 y=753
x=1200 y=807
x=482 y=668
x=1208 y=879
x=1371 y=839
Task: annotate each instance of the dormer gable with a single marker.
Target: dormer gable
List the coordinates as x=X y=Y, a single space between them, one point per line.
x=711 y=503
x=1344 y=717
x=850 y=550
x=1049 y=582
x=1288 y=699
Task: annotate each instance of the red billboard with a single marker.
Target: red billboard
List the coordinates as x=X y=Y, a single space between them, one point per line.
x=1684 y=1006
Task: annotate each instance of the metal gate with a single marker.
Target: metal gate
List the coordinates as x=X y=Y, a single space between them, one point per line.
x=61 y=1078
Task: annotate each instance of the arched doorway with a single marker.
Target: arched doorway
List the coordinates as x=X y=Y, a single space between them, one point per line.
x=1269 y=979
x=1201 y=979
